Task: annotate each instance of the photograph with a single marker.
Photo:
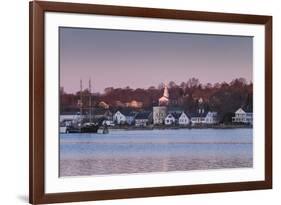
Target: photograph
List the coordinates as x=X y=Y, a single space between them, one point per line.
x=132 y=102
x=135 y=101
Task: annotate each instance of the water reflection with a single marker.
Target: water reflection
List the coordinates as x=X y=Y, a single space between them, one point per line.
x=154 y=151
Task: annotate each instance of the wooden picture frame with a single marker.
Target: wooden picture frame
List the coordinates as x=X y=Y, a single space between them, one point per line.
x=37 y=194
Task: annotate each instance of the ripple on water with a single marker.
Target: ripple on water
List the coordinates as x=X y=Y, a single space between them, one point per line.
x=124 y=152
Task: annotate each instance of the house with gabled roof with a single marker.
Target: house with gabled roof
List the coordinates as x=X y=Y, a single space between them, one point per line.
x=198 y=117
x=203 y=115
x=243 y=116
x=130 y=117
x=143 y=119
x=124 y=117
x=172 y=118
x=211 y=118
x=119 y=118
x=184 y=119
x=206 y=117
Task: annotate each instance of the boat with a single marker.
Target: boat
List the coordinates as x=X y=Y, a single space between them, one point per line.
x=79 y=125
x=83 y=127
x=89 y=128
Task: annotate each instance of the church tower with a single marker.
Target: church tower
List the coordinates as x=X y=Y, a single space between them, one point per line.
x=164 y=100
x=160 y=111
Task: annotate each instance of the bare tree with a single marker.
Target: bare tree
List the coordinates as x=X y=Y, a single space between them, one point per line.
x=193 y=82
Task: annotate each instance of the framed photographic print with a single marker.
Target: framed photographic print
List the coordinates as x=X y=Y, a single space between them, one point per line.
x=139 y=102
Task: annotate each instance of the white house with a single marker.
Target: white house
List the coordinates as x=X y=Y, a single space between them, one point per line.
x=173 y=118
x=170 y=119
x=184 y=119
x=243 y=117
x=198 y=118
x=211 y=118
x=204 y=118
x=119 y=118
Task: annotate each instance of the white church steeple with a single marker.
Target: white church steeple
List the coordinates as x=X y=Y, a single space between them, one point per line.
x=164 y=100
x=166 y=92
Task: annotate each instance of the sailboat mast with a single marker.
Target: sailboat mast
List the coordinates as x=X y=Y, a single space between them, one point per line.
x=90 y=100
x=81 y=104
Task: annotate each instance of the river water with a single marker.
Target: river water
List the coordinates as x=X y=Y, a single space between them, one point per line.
x=140 y=151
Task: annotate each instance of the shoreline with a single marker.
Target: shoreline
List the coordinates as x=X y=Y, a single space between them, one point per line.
x=129 y=128
x=160 y=127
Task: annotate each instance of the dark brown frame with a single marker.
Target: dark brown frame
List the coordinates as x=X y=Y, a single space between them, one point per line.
x=37 y=194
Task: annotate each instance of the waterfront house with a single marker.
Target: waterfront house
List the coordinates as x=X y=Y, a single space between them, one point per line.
x=242 y=116
x=204 y=117
x=198 y=118
x=184 y=119
x=211 y=118
x=143 y=119
x=172 y=118
x=203 y=114
x=124 y=117
x=119 y=118
x=130 y=117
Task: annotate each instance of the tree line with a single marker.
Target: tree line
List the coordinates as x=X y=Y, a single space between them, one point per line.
x=225 y=98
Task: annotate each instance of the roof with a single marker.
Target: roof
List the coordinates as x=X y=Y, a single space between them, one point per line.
x=176 y=115
x=239 y=110
x=131 y=114
x=143 y=115
x=127 y=112
x=248 y=108
x=196 y=114
x=187 y=115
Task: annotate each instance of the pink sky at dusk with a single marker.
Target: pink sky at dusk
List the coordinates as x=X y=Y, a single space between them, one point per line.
x=115 y=58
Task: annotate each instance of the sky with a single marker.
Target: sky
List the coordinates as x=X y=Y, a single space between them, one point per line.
x=139 y=59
